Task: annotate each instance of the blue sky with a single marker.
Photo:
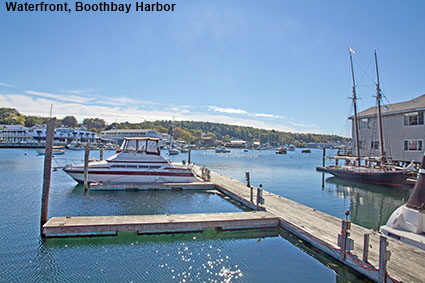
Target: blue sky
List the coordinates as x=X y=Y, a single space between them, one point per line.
x=273 y=64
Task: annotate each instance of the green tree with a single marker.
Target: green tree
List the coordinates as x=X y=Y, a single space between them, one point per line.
x=95 y=123
x=31 y=121
x=69 y=121
x=7 y=113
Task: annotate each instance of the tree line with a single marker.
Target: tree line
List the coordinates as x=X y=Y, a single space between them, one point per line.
x=188 y=131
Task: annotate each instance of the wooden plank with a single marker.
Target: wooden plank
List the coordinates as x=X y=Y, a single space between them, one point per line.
x=100 y=224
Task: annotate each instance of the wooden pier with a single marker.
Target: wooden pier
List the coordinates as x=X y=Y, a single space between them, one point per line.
x=368 y=256
x=148 y=224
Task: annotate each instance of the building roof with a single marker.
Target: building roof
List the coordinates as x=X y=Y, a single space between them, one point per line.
x=128 y=131
x=415 y=104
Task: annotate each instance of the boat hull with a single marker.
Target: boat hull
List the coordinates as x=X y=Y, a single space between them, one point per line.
x=133 y=177
x=372 y=176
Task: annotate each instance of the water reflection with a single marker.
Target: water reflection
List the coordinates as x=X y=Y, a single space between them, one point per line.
x=370 y=205
x=211 y=256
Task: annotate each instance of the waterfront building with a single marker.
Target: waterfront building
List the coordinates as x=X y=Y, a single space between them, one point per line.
x=19 y=135
x=403 y=130
x=15 y=134
x=236 y=144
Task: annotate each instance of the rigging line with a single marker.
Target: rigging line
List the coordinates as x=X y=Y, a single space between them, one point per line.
x=365 y=71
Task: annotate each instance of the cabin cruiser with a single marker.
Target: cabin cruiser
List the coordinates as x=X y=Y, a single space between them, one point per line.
x=138 y=161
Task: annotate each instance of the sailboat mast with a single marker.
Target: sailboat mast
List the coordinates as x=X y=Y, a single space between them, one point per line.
x=354 y=98
x=378 y=100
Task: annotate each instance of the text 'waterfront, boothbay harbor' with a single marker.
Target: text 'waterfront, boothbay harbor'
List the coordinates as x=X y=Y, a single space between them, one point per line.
x=85 y=7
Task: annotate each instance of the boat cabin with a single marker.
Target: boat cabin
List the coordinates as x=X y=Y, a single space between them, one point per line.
x=140 y=145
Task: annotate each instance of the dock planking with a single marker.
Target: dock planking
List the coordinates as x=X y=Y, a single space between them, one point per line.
x=99 y=225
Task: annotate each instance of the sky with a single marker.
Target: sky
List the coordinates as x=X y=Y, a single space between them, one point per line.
x=275 y=64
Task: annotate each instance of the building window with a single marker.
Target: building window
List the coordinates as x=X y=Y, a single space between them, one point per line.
x=414 y=118
x=364 y=123
x=374 y=144
x=413 y=145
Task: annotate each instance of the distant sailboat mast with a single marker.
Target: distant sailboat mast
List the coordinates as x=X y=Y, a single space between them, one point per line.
x=354 y=98
x=378 y=100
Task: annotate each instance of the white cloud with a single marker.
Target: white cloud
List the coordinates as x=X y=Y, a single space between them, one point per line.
x=123 y=109
x=66 y=98
x=7 y=85
x=227 y=110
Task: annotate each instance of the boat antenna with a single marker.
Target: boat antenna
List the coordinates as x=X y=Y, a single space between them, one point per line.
x=378 y=101
x=354 y=98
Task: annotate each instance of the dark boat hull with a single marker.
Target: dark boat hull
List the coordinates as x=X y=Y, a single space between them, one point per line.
x=373 y=176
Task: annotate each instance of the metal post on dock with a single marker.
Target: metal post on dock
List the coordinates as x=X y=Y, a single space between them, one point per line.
x=248 y=181
x=86 y=167
x=188 y=156
x=323 y=157
x=47 y=172
x=384 y=256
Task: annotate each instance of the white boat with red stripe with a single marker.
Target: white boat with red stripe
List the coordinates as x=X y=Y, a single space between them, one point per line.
x=138 y=161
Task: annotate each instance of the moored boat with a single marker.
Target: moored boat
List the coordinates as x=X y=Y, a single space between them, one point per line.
x=222 y=150
x=407 y=223
x=57 y=150
x=138 y=161
x=378 y=171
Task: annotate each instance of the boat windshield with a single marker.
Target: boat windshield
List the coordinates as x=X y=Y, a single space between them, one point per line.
x=140 y=146
x=152 y=147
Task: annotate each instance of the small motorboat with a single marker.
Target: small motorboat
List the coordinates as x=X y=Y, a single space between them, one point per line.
x=57 y=150
x=138 y=161
x=281 y=150
x=222 y=150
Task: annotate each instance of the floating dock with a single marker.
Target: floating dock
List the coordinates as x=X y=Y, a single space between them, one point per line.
x=155 y=224
x=365 y=251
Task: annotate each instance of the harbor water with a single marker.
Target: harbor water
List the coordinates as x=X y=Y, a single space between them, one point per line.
x=211 y=256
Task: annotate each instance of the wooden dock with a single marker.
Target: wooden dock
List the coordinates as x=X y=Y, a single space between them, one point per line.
x=321 y=231
x=149 y=224
x=316 y=228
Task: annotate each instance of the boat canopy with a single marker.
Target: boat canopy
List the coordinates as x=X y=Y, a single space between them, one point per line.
x=141 y=145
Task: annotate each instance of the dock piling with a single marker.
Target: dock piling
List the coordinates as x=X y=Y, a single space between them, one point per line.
x=101 y=153
x=384 y=256
x=345 y=243
x=260 y=199
x=366 y=246
x=47 y=173
x=188 y=156
x=86 y=167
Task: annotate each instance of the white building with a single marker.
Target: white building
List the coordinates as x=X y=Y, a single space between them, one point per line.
x=18 y=134
x=403 y=130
